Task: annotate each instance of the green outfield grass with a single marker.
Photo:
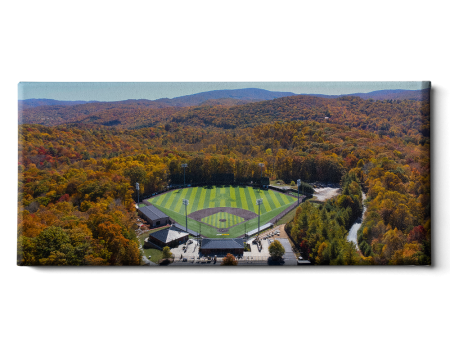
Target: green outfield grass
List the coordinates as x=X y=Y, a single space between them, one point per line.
x=214 y=220
x=222 y=196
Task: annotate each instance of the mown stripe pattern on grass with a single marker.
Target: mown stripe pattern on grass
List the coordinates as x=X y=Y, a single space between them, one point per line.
x=222 y=196
x=239 y=197
x=214 y=220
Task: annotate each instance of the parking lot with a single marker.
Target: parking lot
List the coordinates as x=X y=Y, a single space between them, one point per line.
x=189 y=253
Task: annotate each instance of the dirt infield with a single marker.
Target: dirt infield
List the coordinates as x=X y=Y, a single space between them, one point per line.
x=200 y=214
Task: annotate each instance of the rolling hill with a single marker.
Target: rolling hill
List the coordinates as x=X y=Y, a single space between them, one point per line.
x=391 y=94
x=31 y=103
x=142 y=113
x=246 y=94
x=53 y=112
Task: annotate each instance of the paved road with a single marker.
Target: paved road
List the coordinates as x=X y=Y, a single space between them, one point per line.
x=289 y=254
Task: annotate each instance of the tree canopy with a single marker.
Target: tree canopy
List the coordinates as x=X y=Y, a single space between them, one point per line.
x=276 y=250
x=229 y=259
x=77 y=180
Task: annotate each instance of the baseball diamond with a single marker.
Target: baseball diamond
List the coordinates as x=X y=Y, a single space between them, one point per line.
x=222 y=220
x=234 y=204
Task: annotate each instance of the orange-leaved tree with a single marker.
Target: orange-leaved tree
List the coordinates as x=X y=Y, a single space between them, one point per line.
x=229 y=259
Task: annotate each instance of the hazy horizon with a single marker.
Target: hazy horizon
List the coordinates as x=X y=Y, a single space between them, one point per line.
x=119 y=91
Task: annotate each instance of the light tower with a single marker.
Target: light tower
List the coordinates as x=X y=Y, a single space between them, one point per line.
x=299 y=183
x=199 y=239
x=258 y=203
x=137 y=188
x=185 y=203
x=184 y=165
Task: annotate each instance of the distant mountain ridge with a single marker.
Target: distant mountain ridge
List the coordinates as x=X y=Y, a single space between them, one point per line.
x=387 y=94
x=54 y=112
x=57 y=112
x=31 y=103
x=246 y=94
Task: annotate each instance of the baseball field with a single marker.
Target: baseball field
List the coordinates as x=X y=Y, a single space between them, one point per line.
x=222 y=210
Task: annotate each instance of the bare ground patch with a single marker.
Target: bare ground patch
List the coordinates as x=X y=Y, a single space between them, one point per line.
x=323 y=194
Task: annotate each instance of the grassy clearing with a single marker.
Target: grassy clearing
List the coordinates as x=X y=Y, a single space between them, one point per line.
x=288 y=217
x=155 y=253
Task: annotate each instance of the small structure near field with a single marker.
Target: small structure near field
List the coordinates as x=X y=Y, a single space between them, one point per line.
x=263 y=227
x=219 y=246
x=171 y=237
x=153 y=215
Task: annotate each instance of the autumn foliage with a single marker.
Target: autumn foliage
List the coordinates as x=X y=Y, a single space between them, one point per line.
x=77 y=180
x=229 y=259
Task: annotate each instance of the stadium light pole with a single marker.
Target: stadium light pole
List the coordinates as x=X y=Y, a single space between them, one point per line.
x=137 y=188
x=259 y=202
x=184 y=165
x=185 y=203
x=299 y=183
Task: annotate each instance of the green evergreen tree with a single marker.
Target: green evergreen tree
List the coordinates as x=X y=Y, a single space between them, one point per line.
x=276 y=250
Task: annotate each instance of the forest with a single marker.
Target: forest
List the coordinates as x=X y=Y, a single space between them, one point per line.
x=76 y=179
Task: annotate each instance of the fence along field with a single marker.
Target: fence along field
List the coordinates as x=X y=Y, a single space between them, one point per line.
x=222 y=196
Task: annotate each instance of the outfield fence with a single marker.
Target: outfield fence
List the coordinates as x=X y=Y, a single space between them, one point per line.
x=284 y=213
x=144 y=197
x=199 y=184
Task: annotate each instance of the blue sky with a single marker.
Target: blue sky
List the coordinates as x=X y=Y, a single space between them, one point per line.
x=116 y=91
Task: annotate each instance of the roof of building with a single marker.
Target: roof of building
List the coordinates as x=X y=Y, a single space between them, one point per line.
x=152 y=212
x=183 y=228
x=169 y=234
x=261 y=228
x=225 y=243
